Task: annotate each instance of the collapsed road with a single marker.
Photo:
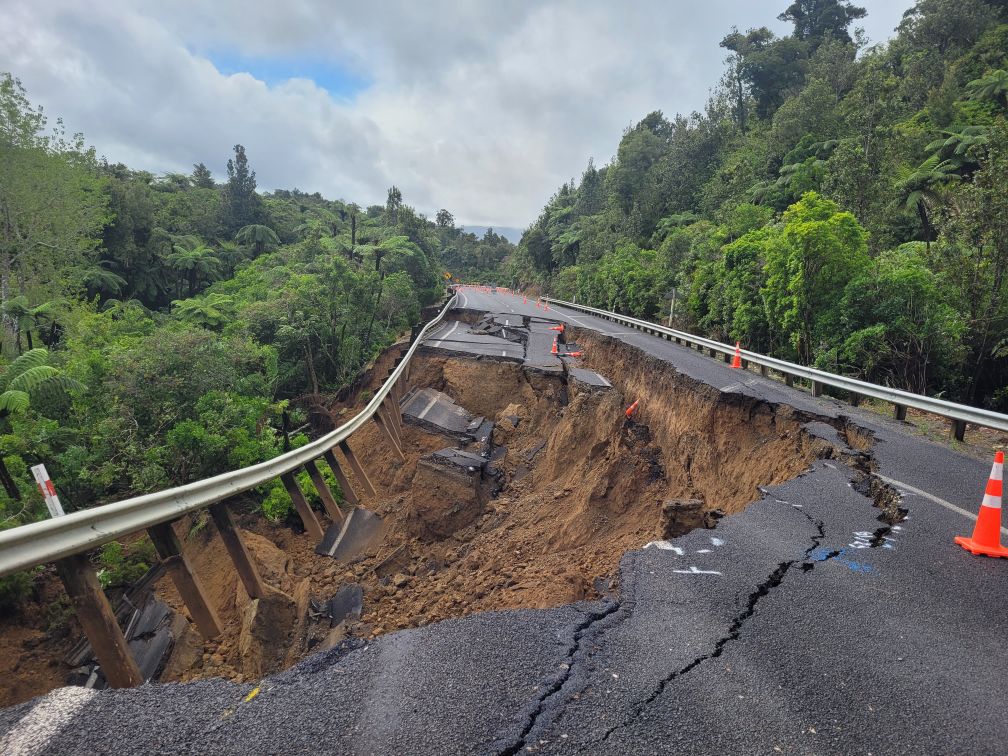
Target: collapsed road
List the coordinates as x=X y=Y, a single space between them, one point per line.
x=815 y=604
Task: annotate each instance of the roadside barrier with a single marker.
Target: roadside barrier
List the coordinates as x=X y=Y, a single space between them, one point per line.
x=958 y=414
x=986 y=537
x=65 y=539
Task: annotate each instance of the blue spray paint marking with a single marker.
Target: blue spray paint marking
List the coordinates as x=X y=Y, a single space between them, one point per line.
x=822 y=554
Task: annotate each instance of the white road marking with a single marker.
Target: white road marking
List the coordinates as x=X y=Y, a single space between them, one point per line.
x=703 y=551
x=451 y=330
x=44 y=721
x=716 y=541
x=503 y=353
x=665 y=546
x=427 y=409
x=694 y=571
x=932 y=497
x=464 y=303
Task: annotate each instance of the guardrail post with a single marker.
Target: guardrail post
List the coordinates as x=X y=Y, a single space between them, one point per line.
x=788 y=379
x=382 y=421
x=328 y=500
x=356 y=467
x=899 y=412
x=816 y=388
x=854 y=398
x=304 y=510
x=712 y=352
x=763 y=370
x=235 y=545
x=348 y=493
x=958 y=429
x=99 y=622
x=169 y=548
x=391 y=407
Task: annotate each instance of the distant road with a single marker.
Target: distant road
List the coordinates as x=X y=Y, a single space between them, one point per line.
x=800 y=626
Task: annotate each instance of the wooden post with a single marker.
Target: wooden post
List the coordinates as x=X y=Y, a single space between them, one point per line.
x=763 y=370
x=304 y=510
x=189 y=586
x=899 y=412
x=854 y=398
x=788 y=379
x=391 y=408
x=235 y=545
x=958 y=430
x=328 y=500
x=727 y=358
x=816 y=388
x=99 y=622
x=348 y=493
x=713 y=352
x=389 y=434
x=362 y=477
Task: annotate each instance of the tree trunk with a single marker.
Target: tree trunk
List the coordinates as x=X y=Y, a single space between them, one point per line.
x=8 y=482
x=9 y=324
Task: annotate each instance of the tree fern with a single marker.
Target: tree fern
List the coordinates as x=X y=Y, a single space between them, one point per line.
x=30 y=359
x=14 y=402
x=30 y=379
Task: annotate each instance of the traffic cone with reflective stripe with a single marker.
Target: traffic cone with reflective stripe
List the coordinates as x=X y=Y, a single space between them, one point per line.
x=737 y=359
x=631 y=409
x=987 y=533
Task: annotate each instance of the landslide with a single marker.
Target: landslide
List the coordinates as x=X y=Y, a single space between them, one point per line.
x=571 y=486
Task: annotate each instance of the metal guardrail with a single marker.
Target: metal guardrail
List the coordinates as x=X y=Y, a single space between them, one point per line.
x=57 y=538
x=960 y=413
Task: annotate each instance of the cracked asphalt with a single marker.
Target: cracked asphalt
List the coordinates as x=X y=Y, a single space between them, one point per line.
x=803 y=625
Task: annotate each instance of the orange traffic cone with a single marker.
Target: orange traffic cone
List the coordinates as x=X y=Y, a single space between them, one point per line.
x=524 y=299
x=632 y=408
x=554 y=351
x=737 y=359
x=987 y=533
x=557 y=328
x=574 y=354
x=545 y=305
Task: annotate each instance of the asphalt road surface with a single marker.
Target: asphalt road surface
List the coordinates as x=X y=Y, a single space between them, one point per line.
x=799 y=626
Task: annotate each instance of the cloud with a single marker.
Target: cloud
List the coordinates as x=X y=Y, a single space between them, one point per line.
x=483 y=108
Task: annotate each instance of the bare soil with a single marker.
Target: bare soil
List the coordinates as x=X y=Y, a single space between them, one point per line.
x=574 y=485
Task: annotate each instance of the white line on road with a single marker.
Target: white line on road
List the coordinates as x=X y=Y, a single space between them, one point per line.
x=464 y=303
x=427 y=409
x=44 y=721
x=931 y=497
x=694 y=571
x=451 y=330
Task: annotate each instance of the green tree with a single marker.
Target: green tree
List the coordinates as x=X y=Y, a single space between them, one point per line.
x=195 y=261
x=241 y=206
x=819 y=250
x=51 y=200
x=201 y=177
x=816 y=20
x=260 y=238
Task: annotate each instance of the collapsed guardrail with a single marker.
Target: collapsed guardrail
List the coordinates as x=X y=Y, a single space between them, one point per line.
x=66 y=539
x=959 y=414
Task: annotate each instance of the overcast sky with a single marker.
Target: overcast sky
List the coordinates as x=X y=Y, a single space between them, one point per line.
x=484 y=108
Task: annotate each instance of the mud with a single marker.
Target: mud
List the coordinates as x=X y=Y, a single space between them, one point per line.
x=570 y=486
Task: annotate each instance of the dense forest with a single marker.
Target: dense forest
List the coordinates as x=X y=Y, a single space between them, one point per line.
x=835 y=204
x=158 y=329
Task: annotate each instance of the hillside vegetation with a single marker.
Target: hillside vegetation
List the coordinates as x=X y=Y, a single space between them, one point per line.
x=835 y=204
x=158 y=329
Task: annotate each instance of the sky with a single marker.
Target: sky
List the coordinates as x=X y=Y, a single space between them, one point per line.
x=483 y=108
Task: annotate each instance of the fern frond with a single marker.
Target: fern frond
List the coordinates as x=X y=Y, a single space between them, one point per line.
x=14 y=402
x=30 y=359
x=32 y=378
